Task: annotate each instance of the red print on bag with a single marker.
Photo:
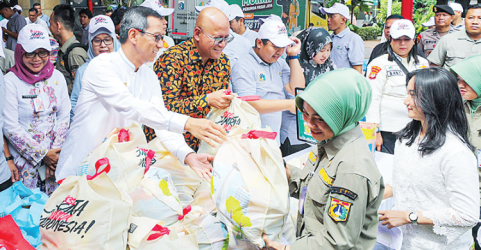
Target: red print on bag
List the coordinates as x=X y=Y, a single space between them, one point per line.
x=70 y=200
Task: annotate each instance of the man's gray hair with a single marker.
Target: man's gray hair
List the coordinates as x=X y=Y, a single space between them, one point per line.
x=135 y=18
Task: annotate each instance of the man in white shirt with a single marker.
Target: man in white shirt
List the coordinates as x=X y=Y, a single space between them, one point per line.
x=33 y=18
x=237 y=24
x=40 y=14
x=118 y=89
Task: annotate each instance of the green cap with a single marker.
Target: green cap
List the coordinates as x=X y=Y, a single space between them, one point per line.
x=470 y=70
x=341 y=98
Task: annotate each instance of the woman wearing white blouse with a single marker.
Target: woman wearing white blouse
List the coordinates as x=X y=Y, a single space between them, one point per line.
x=435 y=181
x=36 y=109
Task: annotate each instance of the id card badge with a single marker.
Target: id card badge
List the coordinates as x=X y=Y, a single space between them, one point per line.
x=38 y=105
x=302 y=200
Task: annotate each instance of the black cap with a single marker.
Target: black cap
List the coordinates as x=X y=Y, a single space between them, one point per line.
x=443 y=8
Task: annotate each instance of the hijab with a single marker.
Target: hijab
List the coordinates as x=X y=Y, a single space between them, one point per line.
x=24 y=73
x=90 y=51
x=470 y=70
x=313 y=40
x=341 y=104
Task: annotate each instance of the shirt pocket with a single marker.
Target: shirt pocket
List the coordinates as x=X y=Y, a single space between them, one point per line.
x=453 y=56
x=318 y=194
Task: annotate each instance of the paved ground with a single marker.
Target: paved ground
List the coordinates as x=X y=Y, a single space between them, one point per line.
x=368 y=46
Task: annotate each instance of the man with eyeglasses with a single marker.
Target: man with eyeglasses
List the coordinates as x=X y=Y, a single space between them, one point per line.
x=262 y=73
x=193 y=75
x=71 y=54
x=119 y=89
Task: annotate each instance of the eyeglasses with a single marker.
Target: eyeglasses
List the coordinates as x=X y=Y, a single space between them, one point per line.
x=98 y=41
x=41 y=54
x=157 y=37
x=219 y=40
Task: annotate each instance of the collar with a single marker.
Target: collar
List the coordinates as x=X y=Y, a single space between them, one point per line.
x=342 y=33
x=13 y=16
x=451 y=29
x=464 y=36
x=124 y=58
x=334 y=146
x=67 y=44
x=196 y=57
x=257 y=58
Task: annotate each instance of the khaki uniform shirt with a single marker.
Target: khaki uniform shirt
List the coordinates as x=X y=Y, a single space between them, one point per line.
x=76 y=58
x=343 y=192
x=453 y=48
x=430 y=38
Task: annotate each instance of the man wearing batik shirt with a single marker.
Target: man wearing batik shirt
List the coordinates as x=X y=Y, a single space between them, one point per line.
x=195 y=74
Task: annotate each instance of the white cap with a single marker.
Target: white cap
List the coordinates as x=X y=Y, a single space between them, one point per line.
x=18 y=7
x=429 y=23
x=34 y=36
x=235 y=11
x=157 y=6
x=219 y=4
x=276 y=32
x=402 y=27
x=271 y=17
x=101 y=21
x=456 y=6
x=337 y=8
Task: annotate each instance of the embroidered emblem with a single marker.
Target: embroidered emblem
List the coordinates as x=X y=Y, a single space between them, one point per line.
x=262 y=77
x=344 y=191
x=374 y=71
x=312 y=157
x=339 y=210
x=325 y=177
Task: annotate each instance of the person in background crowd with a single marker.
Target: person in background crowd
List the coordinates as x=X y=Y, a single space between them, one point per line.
x=263 y=73
x=454 y=47
x=109 y=11
x=194 y=75
x=429 y=38
x=61 y=26
x=348 y=47
x=468 y=71
x=434 y=179
x=366 y=19
x=339 y=188
x=387 y=76
x=117 y=19
x=33 y=18
x=458 y=21
x=430 y=24
x=239 y=45
x=41 y=15
x=118 y=89
x=237 y=24
x=102 y=39
x=381 y=48
x=36 y=111
x=85 y=15
x=7 y=59
x=14 y=25
x=17 y=8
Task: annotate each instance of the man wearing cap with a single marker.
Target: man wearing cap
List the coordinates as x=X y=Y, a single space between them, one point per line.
x=429 y=38
x=18 y=9
x=430 y=23
x=381 y=48
x=237 y=24
x=70 y=55
x=119 y=89
x=347 y=46
x=262 y=73
x=458 y=21
x=33 y=18
x=194 y=75
x=14 y=25
x=454 y=47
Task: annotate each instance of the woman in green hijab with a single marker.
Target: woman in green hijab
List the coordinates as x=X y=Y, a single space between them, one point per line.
x=340 y=188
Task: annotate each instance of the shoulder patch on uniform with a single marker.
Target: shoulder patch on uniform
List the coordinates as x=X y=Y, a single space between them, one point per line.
x=312 y=157
x=374 y=71
x=339 y=210
x=344 y=191
x=328 y=180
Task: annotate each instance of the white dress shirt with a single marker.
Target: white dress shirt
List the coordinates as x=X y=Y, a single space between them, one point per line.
x=39 y=21
x=115 y=95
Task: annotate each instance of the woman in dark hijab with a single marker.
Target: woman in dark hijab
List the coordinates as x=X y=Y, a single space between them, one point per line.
x=315 y=53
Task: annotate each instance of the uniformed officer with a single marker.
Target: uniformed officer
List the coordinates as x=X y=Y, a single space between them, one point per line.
x=443 y=18
x=340 y=187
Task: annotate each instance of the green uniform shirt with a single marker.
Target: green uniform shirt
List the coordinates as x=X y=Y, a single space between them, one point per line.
x=453 y=48
x=344 y=191
x=76 y=58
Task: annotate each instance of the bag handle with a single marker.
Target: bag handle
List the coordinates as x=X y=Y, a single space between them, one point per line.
x=185 y=211
x=256 y=134
x=244 y=98
x=98 y=164
x=123 y=135
x=148 y=160
x=161 y=232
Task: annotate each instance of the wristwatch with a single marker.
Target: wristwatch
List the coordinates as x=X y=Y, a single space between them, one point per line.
x=413 y=217
x=10 y=158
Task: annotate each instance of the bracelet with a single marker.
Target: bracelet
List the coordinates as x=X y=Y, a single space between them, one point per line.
x=9 y=158
x=292 y=57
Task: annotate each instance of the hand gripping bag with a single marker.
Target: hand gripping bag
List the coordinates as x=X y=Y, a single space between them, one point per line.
x=86 y=212
x=126 y=149
x=191 y=189
x=239 y=113
x=249 y=187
